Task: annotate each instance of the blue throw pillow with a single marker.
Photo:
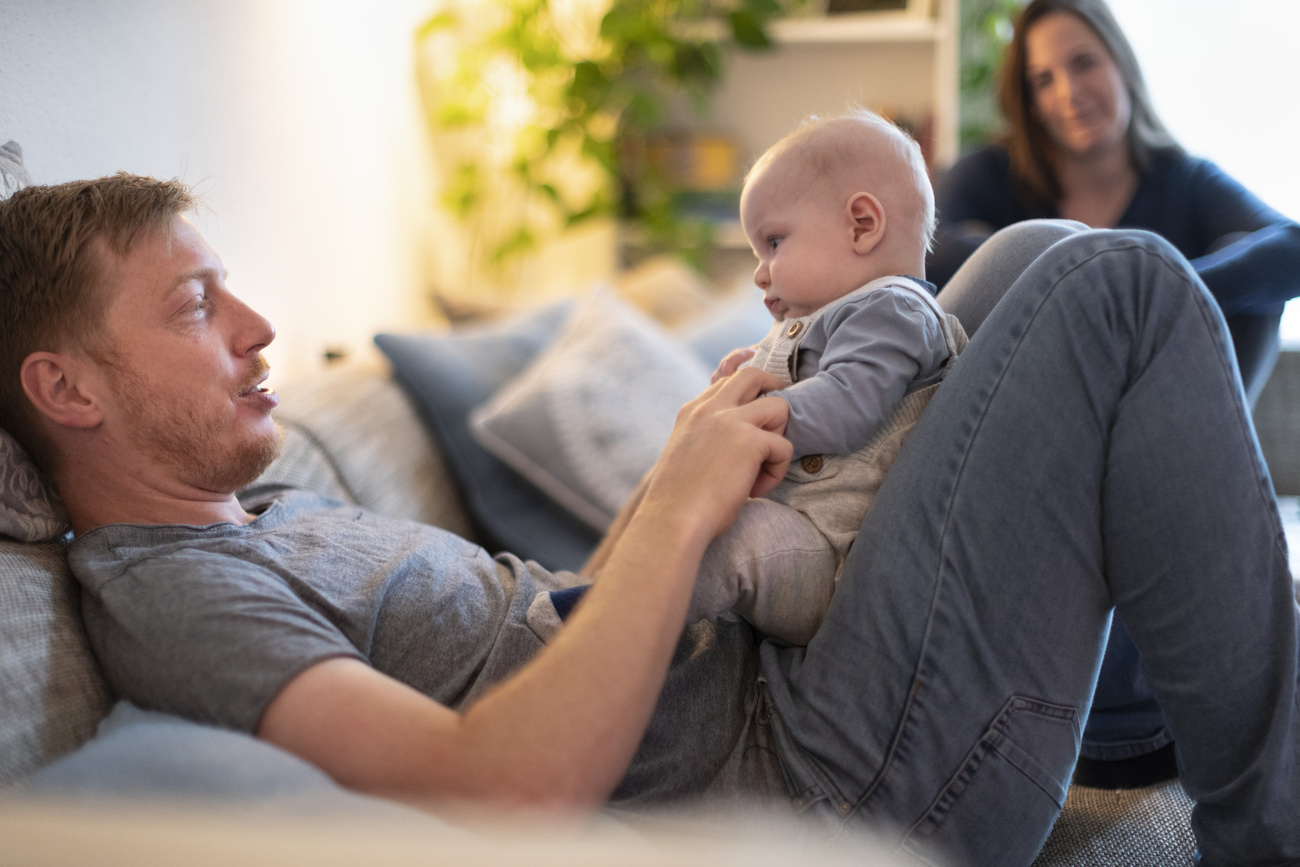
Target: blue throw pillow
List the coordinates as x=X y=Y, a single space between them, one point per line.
x=448 y=375
x=738 y=321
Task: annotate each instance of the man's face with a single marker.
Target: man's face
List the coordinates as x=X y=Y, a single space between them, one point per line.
x=183 y=367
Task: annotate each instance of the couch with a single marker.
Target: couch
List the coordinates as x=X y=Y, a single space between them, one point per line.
x=454 y=429
x=353 y=434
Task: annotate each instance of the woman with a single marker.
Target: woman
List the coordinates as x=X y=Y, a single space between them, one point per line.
x=1084 y=144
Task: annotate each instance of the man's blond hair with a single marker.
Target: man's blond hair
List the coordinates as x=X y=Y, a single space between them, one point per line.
x=50 y=297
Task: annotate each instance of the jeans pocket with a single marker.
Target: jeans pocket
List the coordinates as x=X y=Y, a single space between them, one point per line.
x=1000 y=805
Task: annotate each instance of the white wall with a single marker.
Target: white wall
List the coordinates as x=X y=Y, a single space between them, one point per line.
x=298 y=120
x=1223 y=75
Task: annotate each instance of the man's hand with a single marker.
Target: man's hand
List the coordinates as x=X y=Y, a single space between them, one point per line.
x=726 y=446
x=732 y=362
x=770 y=414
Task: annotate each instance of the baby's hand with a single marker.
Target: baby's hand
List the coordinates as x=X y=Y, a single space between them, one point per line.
x=732 y=363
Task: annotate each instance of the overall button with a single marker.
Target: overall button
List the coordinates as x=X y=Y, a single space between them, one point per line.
x=811 y=464
x=794 y=329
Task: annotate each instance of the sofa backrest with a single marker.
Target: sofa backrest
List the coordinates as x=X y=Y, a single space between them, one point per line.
x=52 y=695
x=357 y=427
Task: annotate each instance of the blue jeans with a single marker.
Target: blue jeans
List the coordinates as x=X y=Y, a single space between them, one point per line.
x=1125 y=720
x=1090 y=452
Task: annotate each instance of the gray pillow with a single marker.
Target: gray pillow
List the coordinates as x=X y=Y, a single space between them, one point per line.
x=738 y=320
x=589 y=417
x=30 y=508
x=51 y=693
x=447 y=375
x=151 y=755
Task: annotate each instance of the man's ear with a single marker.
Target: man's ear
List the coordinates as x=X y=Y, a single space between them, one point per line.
x=56 y=384
x=868 y=219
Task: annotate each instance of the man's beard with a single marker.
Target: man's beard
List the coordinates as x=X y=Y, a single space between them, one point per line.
x=177 y=435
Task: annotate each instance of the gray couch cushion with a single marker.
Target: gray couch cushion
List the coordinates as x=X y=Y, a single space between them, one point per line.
x=30 y=508
x=144 y=753
x=304 y=463
x=353 y=435
x=154 y=756
x=51 y=693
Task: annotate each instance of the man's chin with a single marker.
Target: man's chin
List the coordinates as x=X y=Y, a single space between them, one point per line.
x=246 y=464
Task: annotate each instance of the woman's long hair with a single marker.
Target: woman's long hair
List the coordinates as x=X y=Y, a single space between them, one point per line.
x=1027 y=141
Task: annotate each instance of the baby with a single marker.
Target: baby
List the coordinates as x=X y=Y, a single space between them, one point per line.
x=834 y=212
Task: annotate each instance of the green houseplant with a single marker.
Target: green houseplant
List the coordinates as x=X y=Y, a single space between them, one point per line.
x=986 y=27
x=542 y=108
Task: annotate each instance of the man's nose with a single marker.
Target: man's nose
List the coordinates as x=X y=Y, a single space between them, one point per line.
x=255 y=331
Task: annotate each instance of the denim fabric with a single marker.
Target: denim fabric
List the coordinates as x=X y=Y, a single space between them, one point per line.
x=1091 y=450
x=1126 y=719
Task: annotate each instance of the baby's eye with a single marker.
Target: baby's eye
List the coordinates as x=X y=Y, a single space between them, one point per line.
x=773 y=242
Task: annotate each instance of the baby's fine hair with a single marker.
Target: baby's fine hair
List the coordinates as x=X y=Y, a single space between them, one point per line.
x=813 y=131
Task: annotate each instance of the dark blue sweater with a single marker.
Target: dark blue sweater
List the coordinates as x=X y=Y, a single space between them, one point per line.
x=1188 y=201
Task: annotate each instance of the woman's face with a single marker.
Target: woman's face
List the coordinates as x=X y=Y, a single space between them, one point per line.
x=1077 y=90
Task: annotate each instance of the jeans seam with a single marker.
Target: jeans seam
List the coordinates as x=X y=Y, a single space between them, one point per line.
x=1266 y=492
x=917 y=680
x=991 y=742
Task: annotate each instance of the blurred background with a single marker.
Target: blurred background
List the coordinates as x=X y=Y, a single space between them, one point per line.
x=384 y=165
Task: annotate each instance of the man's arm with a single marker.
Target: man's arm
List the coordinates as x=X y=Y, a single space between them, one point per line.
x=561 y=732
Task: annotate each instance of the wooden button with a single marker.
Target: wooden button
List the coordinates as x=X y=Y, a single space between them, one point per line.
x=794 y=329
x=811 y=464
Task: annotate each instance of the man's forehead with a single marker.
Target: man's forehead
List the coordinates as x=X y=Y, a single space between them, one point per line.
x=160 y=260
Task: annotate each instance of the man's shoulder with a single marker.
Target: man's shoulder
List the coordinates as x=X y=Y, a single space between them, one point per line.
x=110 y=551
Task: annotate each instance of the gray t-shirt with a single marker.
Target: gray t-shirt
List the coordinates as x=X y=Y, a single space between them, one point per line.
x=209 y=623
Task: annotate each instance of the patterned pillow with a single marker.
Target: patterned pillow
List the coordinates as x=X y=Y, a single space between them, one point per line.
x=30 y=508
x=447 y=375
x=588 y=418
x=13 y=176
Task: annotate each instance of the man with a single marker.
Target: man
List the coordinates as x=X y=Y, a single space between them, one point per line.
x=941 y=699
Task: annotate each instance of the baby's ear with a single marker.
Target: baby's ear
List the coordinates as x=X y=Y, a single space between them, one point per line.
x=868 y=218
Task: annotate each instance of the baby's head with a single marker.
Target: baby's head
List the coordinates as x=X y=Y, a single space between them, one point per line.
x=837 y=203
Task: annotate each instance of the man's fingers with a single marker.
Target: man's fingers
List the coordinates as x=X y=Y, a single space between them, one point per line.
x=767 y=413
x=748 y=384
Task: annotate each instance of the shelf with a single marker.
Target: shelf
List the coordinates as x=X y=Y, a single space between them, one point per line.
x=860 y=27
